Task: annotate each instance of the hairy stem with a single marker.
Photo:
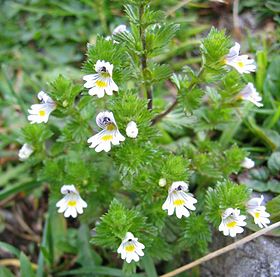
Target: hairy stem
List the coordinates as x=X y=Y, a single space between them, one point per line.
x=143 y=58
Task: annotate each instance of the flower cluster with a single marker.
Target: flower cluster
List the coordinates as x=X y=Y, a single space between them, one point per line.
x=179 y=200
x=232 y=221
x=243 y=64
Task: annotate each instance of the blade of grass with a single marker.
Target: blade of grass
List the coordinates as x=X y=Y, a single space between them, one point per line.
x=12 y=92
x=149 y=266
x=25 y=187
x=9 y=248
x=99 y=270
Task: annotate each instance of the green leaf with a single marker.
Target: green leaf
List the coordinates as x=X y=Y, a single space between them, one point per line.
x=274 y=185
x=25 y=266
x=190 y=99
x=87 y=257
x=9 y=248
x=256 y=185
x=272 y=81
x=260 y=174
x=24 y=187
x=36 y=134
x=273 y=208
x=149 y=266
x=175 y=168
x=64 y=92
x=5 y=272
x=274 y=163
x=214 y=48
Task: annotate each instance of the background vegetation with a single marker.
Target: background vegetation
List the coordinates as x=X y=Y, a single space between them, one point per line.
x=42 y=39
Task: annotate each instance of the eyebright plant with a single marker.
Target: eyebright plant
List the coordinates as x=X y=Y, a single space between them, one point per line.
x=101 y=143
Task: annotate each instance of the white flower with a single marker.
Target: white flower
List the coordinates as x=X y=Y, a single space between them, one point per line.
x=109 y=134
x=101 y=82
x=249 y=93
x=258 y=212
x=248 y=163
x=71 y=204
x=40 y=112
x=131 y=129
x=179 y=200
x=119 y=29
x=162 y=182
x=25 y=151
x=232 y=222
x=241 y=63
x=130 y=248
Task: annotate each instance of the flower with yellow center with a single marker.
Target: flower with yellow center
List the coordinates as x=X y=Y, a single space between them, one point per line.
x=109 y=135
x=101 y=82
x=130 y=248
x=232 y=222
x=71 y=204
x=258 y=212
x=40 y=112
x=179 y=200
x=241 y=63
x=249 y=93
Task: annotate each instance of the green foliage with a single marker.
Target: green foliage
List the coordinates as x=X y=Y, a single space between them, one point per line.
x=25 y=266
x=214 y=48
x=64 y=92
x=196 y=235
x=36 y=135
x=213 y=161
x=225 y=195
x=174 y=169
x=191 y=99
x=265 y=178
x=196 y=142
x=117 y=222
x=129 y=107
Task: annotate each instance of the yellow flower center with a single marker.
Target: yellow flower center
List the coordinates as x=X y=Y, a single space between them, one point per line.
x=240 y=64
x=110 y=127
x=42 y=113
x=107 y=137
x=231 y=224
x=101 y=84
x=178 y=202
x=129 y=248
x=257 y=214
x=72 y=203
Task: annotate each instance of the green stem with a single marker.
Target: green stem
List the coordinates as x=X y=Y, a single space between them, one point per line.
x=143 y=59
x=175 y=103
